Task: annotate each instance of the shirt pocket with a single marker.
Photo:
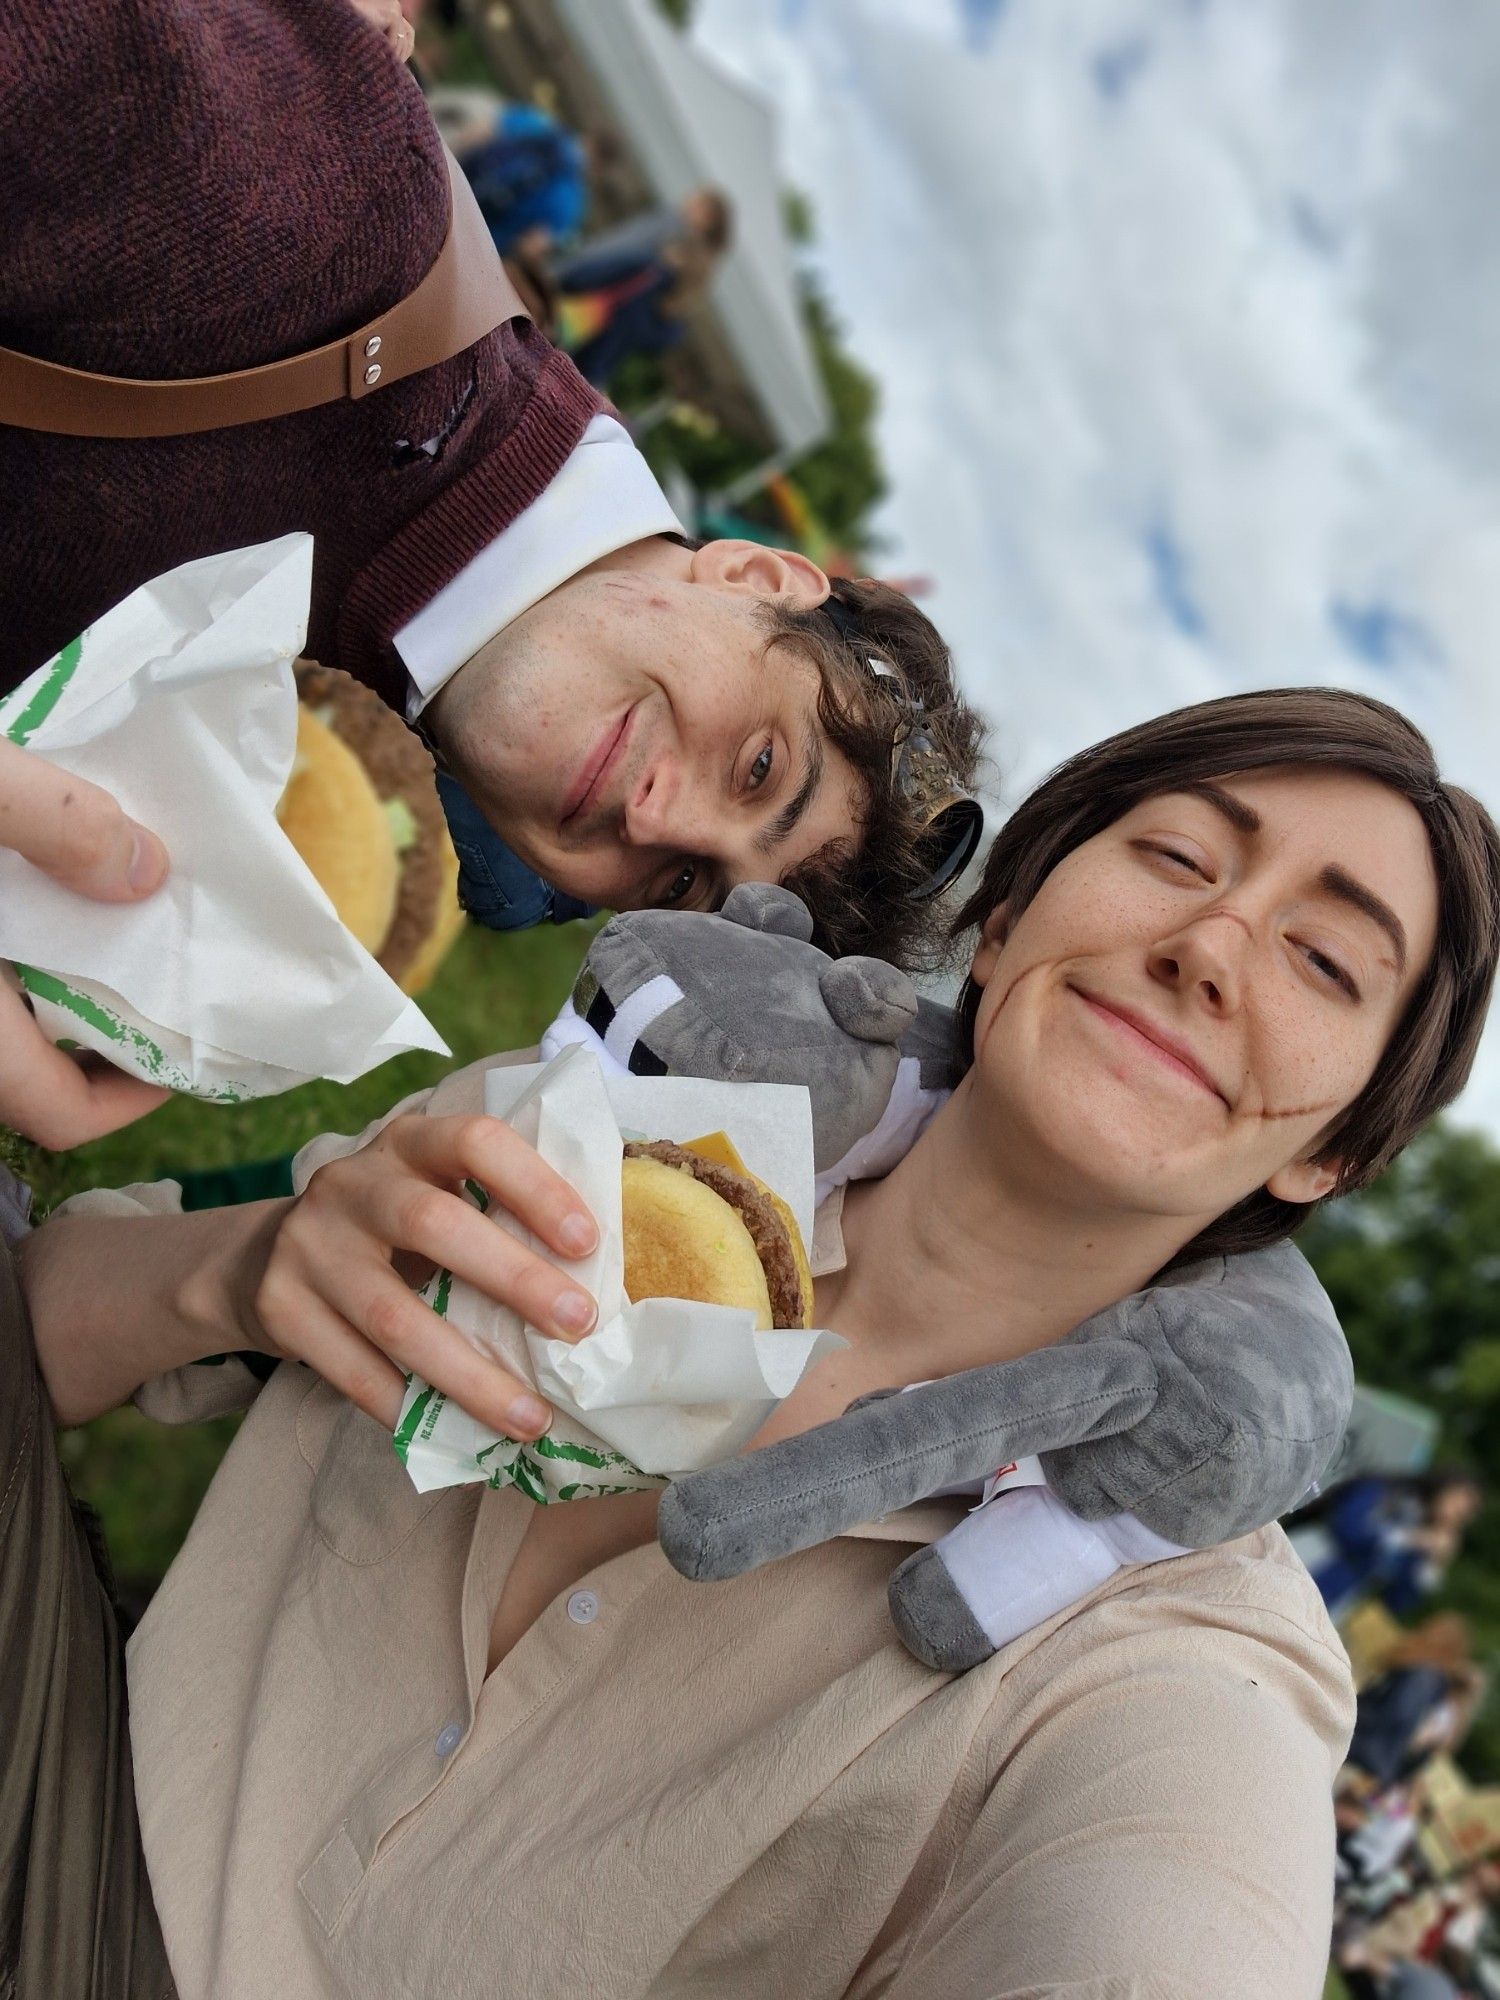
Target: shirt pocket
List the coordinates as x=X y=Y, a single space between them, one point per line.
x=364 y=1506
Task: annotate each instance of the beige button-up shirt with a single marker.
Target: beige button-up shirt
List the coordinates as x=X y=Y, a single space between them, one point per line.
x=672 y=1788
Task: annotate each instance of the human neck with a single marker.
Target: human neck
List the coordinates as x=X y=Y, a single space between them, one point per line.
x=655 y=553
x=951 y=1265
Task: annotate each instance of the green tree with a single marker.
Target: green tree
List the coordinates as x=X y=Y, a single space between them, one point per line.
x=843 y=478
x=1413 y=1267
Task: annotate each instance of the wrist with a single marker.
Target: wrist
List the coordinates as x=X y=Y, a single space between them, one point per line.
x=216 y=1290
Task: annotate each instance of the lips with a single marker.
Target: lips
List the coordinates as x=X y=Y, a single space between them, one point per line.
x=1148 y=1036
x=596 y=767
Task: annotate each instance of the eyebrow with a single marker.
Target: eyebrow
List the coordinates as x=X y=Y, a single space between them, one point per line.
x=785 y=823
x=1337 y=883
x=1240 y=816
x=1334 y=881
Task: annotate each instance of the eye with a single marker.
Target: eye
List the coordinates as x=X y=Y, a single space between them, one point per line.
x=1176 y=856
x=680 y=887
x=760 y=770
x=1330 y=969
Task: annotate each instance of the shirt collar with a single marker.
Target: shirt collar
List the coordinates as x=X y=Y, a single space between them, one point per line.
x=605 y=497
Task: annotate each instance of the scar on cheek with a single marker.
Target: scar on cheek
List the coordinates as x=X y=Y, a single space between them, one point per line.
x=1026 y=972
x=1003 y=1003
x=1299 y=1110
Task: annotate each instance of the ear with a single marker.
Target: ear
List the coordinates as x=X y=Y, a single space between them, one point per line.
x=1304 y=1180
x=991 y=942
x=752 y=569
x=766 y=906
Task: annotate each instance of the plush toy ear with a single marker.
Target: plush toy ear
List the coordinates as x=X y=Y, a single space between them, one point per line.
x=762 y=906
x=868 y=999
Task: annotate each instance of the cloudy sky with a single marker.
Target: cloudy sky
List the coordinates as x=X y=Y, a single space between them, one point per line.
x=1188 y=318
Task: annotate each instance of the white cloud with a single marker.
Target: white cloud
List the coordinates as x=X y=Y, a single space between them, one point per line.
x=1186 y=317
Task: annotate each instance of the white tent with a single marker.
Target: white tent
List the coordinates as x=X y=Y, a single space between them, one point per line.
x=687 y=123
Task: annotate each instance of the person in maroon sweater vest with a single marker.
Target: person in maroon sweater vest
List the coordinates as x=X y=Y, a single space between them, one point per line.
x=196 y=186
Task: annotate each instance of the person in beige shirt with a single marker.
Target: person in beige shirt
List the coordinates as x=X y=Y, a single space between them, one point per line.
x=401 y=1744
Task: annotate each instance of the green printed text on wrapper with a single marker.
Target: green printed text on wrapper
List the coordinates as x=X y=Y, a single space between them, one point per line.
x=130 y=1045
x=440 y=1445
x=24 y=712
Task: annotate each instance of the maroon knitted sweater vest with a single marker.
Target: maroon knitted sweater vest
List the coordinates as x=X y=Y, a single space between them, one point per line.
x=193 y=186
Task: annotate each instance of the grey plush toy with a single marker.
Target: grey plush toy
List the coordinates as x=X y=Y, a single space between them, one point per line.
x=1186 y=1415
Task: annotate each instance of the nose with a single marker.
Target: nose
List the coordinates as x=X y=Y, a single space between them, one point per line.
x=648 y=808
x=669 y=810
x=1205 y=959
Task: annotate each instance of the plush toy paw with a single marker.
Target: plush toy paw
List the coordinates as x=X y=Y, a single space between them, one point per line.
x=932 y=1616
x=1007 y=1567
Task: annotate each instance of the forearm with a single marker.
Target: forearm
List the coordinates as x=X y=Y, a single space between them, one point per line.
x=115 y=1300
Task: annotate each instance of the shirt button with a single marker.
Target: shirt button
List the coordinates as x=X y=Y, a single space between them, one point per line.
x=448 y=1739
x=583 y=1607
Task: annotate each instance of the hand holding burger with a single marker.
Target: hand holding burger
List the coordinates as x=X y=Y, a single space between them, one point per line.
x=78 y=835
x=335 y=1287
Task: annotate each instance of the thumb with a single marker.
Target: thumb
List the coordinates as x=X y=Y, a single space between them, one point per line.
x=74 y=831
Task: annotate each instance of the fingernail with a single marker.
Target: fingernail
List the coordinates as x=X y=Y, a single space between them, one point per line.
x=574 y=1312
x=530 y=1415
x=146 y=866
x=576 y=1235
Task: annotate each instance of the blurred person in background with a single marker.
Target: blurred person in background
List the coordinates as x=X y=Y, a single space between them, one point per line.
x=1420 y=1982
x=530 y=176
x=1387 y=1536
x=632 y=290
x=1422 y=1703
x=1375 y=1831
x=1426 y=1944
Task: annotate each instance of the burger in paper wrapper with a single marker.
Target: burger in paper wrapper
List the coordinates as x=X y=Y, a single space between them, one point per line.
x=704 y=1291
x=698 y=1225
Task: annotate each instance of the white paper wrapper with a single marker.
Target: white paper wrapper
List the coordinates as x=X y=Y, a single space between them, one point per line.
x=663 y=1386
x=236 y=979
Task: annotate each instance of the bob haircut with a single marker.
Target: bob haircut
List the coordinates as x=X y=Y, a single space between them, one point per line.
x=1428 y=1057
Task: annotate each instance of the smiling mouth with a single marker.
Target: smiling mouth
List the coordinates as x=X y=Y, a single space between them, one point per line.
x=597 y=767
x=1152 y=1041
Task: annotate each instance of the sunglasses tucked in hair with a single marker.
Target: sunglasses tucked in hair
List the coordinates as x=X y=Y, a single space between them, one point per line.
x=877 y=900
x=1427 y=1059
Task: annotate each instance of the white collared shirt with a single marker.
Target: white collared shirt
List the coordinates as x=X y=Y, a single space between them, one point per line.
x=605 y=497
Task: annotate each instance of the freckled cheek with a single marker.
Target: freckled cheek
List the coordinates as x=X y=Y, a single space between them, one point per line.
x=1304 y=1063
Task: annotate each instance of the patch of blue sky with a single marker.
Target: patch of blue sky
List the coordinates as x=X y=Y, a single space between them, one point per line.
x=1116 y=69
x=979 y=19
x=1169 y=573
x=1384 y=636
x=1313 y=228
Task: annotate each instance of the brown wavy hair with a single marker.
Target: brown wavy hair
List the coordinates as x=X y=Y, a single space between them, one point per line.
x=862 y=891
x=1427 y=1060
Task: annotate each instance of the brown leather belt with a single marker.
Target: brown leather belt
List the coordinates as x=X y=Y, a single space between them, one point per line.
x=465 y=295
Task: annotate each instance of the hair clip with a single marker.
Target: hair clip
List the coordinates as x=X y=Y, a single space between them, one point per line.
x=952 y=821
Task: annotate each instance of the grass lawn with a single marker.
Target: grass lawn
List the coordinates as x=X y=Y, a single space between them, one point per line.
x=496 y=991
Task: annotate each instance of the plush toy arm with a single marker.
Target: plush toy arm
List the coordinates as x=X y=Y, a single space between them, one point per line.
x=894 y=1449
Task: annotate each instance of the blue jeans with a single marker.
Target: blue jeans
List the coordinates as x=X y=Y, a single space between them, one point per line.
x=496 y=888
